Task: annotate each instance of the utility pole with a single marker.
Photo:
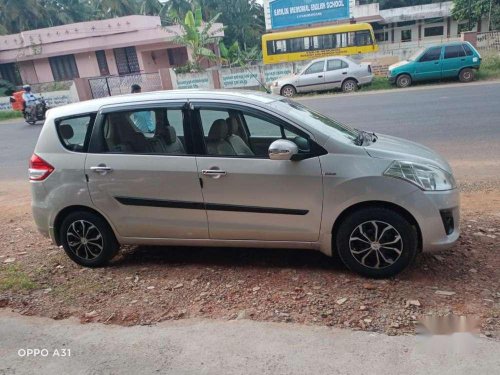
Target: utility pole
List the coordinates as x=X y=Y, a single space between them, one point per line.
x=470 y=28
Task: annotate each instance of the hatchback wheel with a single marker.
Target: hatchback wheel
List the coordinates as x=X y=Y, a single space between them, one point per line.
x=88 y=239
x=466 y=75
x=376 y=242
x=288 y=91
x=404 y=80
x=349 y=85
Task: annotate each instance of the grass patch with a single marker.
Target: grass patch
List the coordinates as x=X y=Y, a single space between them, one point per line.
x=12 y=278
x=378 y=83
x=7 y=115
x=490 y=68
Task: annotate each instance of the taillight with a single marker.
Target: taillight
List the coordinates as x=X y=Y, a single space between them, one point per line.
x=369 y=68
x=39 y=169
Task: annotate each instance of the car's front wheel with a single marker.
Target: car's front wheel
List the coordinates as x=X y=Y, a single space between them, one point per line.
x=376 y=242
x=288 y=91
x=404 y=80
x=466 y=75
x=88 y=239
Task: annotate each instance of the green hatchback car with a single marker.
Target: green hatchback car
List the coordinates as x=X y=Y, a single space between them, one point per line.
x=456 y=59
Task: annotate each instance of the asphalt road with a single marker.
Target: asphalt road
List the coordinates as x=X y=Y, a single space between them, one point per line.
x=461 y=121
x=233 y=347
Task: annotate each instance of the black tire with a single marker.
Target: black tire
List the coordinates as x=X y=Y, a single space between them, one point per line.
x=346 y=240
x=288 y=91
x=90 y=255
x=350 y=85
x=466 y=75
x=403 y=80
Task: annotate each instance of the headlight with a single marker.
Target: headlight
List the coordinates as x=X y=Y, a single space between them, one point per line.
x=274 y=84
x=426 y=177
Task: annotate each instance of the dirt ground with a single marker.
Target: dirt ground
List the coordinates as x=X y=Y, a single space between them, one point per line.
x=145 y=285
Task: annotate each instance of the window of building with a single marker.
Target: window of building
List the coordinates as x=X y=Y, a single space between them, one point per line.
x=126 y=60
x=177 y=56
x=10 y=73
x=405 y=23
x=406 y=35
x=451 y=52
x=432 y=54
x=63 y=67
x=381 y=36
x=102 y=62
x=434 y=20
x=434 y=31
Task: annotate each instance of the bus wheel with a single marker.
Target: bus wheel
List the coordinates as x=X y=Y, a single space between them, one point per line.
x=288 y=91
x=404 y=80
x=349 y=85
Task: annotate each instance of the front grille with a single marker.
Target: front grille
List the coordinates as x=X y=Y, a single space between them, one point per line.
x=448 y=222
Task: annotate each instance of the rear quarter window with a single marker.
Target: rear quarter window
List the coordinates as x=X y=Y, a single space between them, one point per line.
x=74 y=132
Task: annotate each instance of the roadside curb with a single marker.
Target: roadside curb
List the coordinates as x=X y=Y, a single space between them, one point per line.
x=396 y=90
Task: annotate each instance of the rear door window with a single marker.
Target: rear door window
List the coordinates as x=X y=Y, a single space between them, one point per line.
x=451 y=52
x=74 y=132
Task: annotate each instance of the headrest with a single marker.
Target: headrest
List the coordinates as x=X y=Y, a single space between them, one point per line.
x=218 y=130
x=169 y=134
x=66 y=131
x=233 y=126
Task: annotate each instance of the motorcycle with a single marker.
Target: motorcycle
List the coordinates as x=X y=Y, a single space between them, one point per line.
x=37 y=112
x=33 y=114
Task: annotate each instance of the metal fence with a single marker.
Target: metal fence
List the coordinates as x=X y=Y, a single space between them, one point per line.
x=117 y=85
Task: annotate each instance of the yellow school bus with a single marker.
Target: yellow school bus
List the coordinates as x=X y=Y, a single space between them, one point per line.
x=312 y=43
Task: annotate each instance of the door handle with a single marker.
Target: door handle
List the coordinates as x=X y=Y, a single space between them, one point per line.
x=344 y=72
x=437 y=62
x=101 y=169
x=214 y=173
x=320 y=76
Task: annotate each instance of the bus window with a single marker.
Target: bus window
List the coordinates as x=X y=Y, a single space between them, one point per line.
x=328 y=41
x=363 y=38
x=280 y=46
x=351 y=37
x=307 y=45
x=270 y=47
x=296 y=44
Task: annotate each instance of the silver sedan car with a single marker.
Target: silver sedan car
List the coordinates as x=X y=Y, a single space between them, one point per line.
x=236 y=169
x=336 y=72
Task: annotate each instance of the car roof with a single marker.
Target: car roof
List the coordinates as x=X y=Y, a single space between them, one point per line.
x=94 y=105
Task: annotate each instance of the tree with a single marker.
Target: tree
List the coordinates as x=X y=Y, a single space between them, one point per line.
x=151 y=7
x=234 y=56
x=478 y=10
x=114 y=8
x=197 y=36
x=244 y=20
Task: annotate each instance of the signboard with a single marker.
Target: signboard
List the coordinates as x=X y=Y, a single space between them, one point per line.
x=235 y=78
x=286 y=13
x=193 y=81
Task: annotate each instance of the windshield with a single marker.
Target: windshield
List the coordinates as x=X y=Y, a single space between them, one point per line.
x=304 y=114
x=416 y=54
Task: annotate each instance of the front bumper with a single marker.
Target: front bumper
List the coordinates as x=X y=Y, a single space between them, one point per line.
x=438 y=216
x=391 y=79
x=276 y=90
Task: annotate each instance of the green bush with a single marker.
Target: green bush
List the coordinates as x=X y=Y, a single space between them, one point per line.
x=6 y=115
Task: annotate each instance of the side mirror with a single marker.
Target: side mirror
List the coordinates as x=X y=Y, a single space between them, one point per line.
x=282 y=149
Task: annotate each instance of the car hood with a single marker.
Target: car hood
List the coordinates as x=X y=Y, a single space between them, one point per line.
x=398 y=64
x=393 y=148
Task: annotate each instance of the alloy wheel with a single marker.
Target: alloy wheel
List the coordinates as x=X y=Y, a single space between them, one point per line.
x=84 y=239
x=375 y=244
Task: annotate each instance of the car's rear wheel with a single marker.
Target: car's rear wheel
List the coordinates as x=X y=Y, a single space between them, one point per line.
x=404 y=80
x=288 y=91
x=466 y=75
x=376 y=242
x=88 y=239
x=349 y=85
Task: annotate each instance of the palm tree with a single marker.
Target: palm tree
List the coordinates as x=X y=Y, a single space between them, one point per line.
x=197 y=36
x=16 y=16
x=114 y=8
x=151 y=7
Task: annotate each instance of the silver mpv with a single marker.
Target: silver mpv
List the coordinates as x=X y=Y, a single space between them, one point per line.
x=236 y=169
